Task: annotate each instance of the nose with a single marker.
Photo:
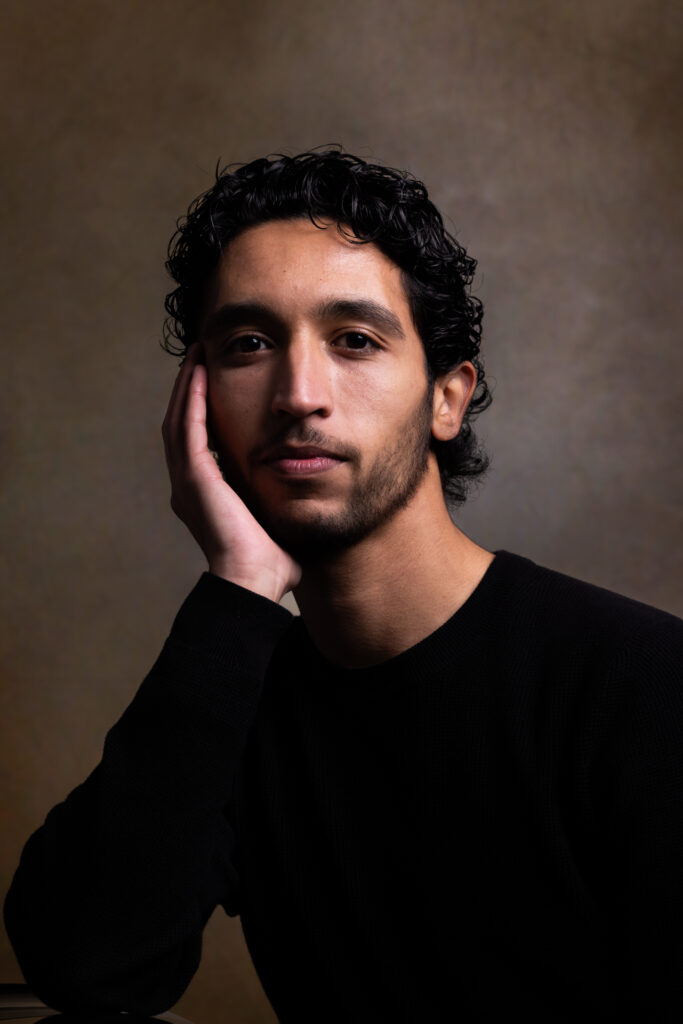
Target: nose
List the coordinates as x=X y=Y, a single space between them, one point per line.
x=303 y=385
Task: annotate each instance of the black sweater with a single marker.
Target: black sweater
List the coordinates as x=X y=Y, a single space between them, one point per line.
x=489 y=824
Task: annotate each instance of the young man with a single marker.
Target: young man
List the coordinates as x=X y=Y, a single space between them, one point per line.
x=451 y=789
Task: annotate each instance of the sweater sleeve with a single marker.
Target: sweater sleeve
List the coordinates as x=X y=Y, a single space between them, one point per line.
x=641 y=814
x=107 y=907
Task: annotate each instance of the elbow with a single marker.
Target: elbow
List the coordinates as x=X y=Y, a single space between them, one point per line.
x=76 y=972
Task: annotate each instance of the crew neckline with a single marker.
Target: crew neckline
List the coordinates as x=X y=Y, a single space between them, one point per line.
x=470 y=617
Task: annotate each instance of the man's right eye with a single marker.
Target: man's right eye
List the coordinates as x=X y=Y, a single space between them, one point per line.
x=245 y=344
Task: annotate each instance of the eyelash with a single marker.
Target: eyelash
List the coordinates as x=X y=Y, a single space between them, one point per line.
x=360 y=334
x=232 y=344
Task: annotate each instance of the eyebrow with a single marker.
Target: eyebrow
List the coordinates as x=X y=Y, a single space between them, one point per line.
x=236 y=314
x=367 y=310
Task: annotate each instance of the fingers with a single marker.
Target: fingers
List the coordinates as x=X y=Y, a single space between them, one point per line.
x=178 y=395
x=172 y=427
x=195 y=412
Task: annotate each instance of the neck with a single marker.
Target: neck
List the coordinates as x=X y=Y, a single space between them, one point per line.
x=385 y=594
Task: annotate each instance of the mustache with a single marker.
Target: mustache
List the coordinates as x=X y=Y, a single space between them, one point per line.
x=305 y=436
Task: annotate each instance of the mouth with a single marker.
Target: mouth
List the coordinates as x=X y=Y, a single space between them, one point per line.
x=301 y=460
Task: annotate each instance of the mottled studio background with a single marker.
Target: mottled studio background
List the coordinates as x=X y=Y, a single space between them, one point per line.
x=548 y=133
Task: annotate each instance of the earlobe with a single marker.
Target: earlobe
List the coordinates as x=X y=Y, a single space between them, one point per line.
x=453 y=393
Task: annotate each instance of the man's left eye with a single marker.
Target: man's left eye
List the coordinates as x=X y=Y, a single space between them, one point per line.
x=356 y=340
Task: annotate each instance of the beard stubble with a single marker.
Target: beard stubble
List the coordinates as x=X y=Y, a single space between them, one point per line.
x=384 y=489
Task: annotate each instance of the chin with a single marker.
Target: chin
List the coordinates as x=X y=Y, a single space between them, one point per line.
x=314 y=527
x=314 y=534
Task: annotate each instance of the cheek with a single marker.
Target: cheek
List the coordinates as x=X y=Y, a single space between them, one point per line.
x=366 y=390
x=383 y=401
x=231 y=413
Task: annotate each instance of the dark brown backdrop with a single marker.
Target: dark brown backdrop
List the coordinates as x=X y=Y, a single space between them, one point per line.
x=549 y=135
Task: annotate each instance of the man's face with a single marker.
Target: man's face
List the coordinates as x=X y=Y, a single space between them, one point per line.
x=318 y=397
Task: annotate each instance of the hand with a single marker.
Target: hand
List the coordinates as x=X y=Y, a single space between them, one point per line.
x=235 y=544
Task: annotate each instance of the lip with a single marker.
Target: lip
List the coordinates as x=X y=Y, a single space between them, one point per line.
x=301 y=460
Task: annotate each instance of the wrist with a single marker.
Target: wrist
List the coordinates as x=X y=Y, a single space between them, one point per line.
x=264 y=583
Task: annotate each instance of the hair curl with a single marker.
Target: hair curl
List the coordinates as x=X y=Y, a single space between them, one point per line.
x=370 y=203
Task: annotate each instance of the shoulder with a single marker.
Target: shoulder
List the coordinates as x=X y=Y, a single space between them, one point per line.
x=569 y=613
x=547 y=593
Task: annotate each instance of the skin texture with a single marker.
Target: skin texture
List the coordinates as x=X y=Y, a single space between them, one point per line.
x=288 y=375
x=357 y=525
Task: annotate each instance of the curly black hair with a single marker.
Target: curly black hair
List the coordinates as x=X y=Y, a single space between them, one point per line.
x=370 y=203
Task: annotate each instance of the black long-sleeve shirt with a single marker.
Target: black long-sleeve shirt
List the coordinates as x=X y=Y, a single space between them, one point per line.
x=489 y=823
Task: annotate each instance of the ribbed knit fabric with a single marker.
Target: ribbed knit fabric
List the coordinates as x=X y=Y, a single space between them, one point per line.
x=489 y=824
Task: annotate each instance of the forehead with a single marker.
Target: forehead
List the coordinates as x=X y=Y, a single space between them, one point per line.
x=293 y=264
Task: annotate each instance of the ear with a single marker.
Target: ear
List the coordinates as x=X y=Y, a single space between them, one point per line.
x=452 y=394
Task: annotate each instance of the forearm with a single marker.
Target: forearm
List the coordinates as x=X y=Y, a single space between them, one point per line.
x=108 y=905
